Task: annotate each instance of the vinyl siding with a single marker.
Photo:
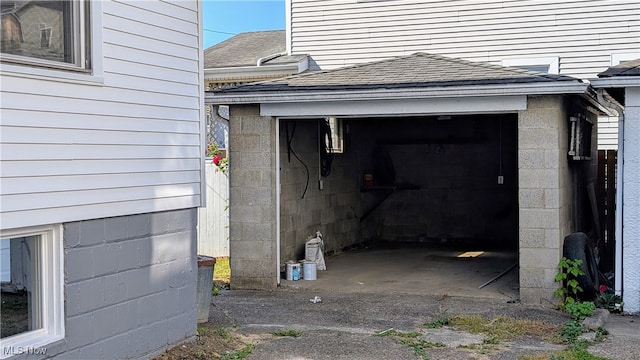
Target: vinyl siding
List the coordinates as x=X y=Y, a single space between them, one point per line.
x=127 y=143
x=582 y=33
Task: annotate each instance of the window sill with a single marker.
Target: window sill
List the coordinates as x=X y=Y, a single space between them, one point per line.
x=50 y=75
x=30 y=343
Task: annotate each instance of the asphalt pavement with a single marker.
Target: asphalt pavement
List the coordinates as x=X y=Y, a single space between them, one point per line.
x=344 y=325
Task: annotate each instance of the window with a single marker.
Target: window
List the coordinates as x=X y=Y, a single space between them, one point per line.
x=32 y=312
x=46 y=33
x=549 y=65
x=617 y=58
x=337 y=137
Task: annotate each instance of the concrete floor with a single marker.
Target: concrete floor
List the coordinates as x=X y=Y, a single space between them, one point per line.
x=419 y=269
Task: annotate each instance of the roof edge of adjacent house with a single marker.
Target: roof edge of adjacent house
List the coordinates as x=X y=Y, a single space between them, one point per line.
x=541 y=88
x=615 y=82
x=267 y=70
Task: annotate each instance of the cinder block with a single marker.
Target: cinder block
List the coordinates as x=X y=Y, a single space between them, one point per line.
x=552 y=198
x=85 y=296
x=249 y=143
x=255 y=124
x=137 y=282
x=250 y=250
x=531 y=159
x=552 y=239
x=254 y=268
x=258 y=232
x=257 y=160
x=149 y=309
x=544 y=102
x=105 y=323
x=79 y=330
x=537 y=296
x=78 y=264
x=116 y=347
x=531 y=198
x=244 y=213
x=536 y=258
x=539 y=218
x=105 y=258
x=538 y=179
x=532 y=238
x=71 y=235
x=252 y=283
x=127 y=254
x=180 y=329
x=540 y=139
x=115 y=228
x=114 y=288
x=531 y=278
x=552 y=158
x=257 y=196
x=92 y=232
x=138 y=225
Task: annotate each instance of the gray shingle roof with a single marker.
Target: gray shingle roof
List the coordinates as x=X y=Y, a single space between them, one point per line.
x=246 y=48
x=627 y=68
x=417 y=70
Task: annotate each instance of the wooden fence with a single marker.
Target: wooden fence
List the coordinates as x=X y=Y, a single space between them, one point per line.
x=607 y=161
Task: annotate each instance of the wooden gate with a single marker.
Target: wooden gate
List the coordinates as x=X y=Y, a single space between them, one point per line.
x=607 y=170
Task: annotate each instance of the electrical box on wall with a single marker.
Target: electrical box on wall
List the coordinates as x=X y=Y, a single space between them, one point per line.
x=500 y=179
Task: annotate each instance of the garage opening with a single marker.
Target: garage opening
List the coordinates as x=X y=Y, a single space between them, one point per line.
x=423 y=204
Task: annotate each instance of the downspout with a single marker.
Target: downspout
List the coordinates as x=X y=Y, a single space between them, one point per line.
x=278 y=275
x=619 y=192
x=264 y=59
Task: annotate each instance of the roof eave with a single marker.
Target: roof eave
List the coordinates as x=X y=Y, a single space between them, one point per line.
x=279 y=70
x=546 y=88
x=616 y=82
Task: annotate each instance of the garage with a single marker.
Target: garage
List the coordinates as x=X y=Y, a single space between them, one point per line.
x=420 y=157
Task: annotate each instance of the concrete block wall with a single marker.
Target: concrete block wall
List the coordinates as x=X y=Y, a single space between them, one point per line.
x=130 y=286
x=252 y=207
x=333 y=210
x=455 y=164
x=545 y=195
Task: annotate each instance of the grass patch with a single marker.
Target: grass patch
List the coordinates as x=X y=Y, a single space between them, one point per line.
x=573 y=353
x=418 y=346
x=240 y=354
x=222 y=271
x=204 y=331
x=411 y=340
x=289 y=333
x=438 y=323
x=502 y=328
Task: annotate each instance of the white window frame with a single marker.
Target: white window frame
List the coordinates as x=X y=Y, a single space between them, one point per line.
x=617 y=58
x=552 y=62
x=92 y=75
x=80 y=24
x=51 y=288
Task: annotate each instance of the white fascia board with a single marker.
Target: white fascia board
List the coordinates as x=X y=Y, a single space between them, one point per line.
x=431 y=106
x=404 y=93
x=279 y=70
x=616 y=82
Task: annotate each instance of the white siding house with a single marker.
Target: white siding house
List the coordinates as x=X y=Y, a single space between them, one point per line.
x=579 y=38
x=101 y=172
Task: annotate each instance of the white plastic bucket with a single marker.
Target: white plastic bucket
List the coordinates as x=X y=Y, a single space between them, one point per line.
x=309 y=270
